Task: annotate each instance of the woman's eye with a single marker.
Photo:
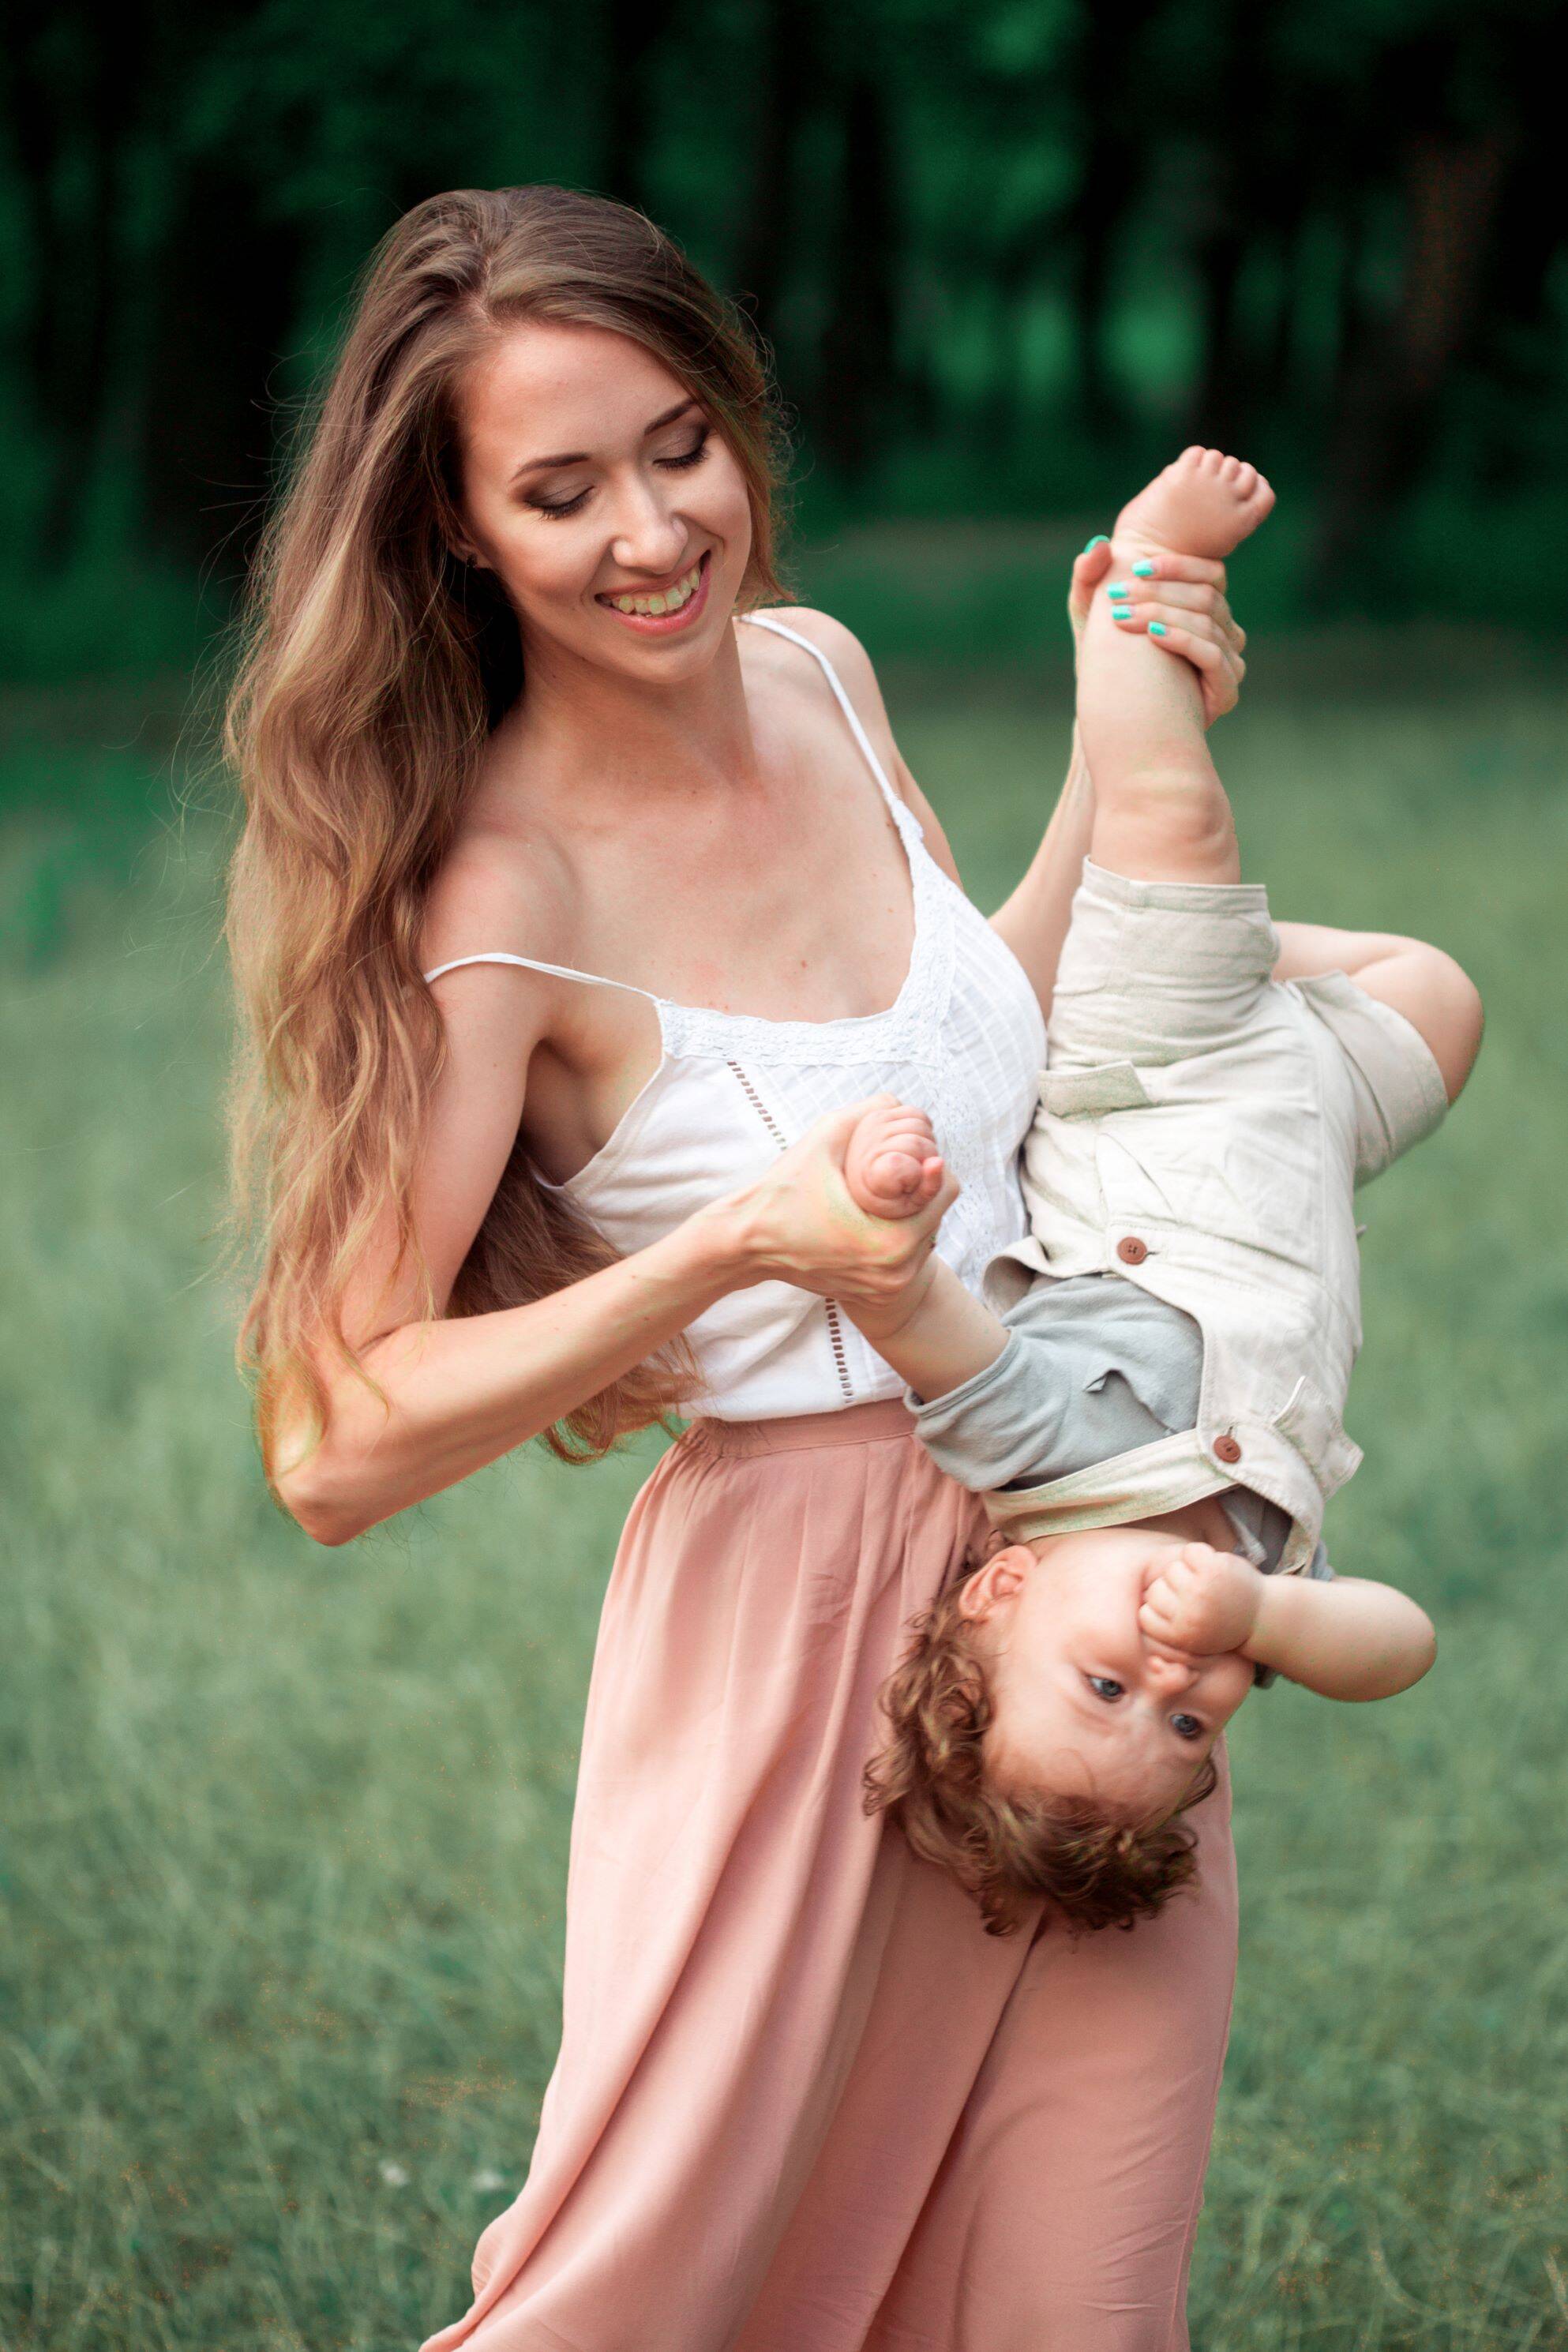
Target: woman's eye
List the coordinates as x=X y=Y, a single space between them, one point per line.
x=1186 y=1726
x=699 y=449
x=555 y=508
x=1105 y=1686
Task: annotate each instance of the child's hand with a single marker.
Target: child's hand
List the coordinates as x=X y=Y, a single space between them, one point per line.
x=797 y=1223
x=892 y=1166
x=1201 y=1600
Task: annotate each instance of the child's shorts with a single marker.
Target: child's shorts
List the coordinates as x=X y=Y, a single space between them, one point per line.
x=1161 y=974
x=1203 y=1130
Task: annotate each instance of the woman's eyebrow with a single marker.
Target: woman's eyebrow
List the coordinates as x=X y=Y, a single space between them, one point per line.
x=580 y=457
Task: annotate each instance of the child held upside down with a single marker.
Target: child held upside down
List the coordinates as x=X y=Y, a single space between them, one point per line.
x=1155 y=1422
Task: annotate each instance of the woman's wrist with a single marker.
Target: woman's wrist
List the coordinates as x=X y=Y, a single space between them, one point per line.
x=717 y=1248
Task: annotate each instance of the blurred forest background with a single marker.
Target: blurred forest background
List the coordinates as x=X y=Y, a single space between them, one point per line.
x=282 y=1852
x=1008 y=255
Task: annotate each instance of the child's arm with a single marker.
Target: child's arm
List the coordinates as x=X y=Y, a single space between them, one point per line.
x=1344 y=1637
x=936 y=1337
x=1341 y=1636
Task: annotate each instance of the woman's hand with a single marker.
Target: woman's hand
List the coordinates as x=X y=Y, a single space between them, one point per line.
x=798 y=1224
x=1186 y=594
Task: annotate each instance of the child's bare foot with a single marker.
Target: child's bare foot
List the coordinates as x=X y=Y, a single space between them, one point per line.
x=1204 y=504
x=892 y=1167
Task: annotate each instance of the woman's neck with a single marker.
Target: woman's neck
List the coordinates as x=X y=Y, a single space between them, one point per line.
x=602 y=738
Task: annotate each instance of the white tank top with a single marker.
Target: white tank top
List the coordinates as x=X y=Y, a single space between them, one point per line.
x=964 y=1040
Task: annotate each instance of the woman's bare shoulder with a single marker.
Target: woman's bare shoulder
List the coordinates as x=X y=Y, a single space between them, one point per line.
x=858 y=678
x=842 y=647
x=495 y=894
x=856 y=675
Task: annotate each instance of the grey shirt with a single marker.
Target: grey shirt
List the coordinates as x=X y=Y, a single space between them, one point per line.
x=1093 y=1366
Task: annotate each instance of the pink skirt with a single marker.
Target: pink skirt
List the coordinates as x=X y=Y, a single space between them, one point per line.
x=802 y=2102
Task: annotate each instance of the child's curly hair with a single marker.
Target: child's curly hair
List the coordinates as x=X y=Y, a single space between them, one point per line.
x=1096 y=1869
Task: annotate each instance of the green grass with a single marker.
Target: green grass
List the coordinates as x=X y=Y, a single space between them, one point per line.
x=284 y=1829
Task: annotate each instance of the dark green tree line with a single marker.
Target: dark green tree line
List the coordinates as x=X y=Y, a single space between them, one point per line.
x=996 y=245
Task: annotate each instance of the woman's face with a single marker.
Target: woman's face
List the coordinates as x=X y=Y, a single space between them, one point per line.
x=606 y=502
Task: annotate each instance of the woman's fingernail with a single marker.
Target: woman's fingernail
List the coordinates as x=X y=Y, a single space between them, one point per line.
x=1144 y=568
x=1100 y=539
x=1157 y=629
x=1119 y=592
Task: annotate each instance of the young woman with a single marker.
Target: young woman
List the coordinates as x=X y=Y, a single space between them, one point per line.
x=580 y=905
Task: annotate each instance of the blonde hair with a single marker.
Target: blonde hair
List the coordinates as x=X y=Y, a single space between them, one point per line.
x=1007 y=1850
x=374 y=666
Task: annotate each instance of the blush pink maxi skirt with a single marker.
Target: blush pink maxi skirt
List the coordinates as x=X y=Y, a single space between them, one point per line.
x=803 y=2102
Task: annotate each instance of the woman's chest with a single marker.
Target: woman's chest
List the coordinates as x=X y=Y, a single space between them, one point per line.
x=784 y=910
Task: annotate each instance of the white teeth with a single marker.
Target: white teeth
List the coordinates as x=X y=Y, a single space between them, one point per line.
x=671 y=601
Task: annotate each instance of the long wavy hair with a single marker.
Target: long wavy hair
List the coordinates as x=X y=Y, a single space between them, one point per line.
x=373 y=663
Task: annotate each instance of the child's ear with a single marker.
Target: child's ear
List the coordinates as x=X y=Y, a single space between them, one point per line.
x=1001 y=1580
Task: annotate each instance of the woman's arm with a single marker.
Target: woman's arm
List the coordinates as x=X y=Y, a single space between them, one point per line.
x=1034 y=921
x=461 y=1391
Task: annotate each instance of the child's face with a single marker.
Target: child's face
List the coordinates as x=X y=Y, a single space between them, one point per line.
x=1085 y=1702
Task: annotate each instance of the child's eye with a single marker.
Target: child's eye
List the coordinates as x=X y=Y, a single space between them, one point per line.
x=1186 y=1726
x=1105 y=1686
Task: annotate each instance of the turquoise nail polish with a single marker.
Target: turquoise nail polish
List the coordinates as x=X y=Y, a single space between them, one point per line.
x=1144 y=569
x=1157 y=629
x=1119 y=592
x=1100 y=539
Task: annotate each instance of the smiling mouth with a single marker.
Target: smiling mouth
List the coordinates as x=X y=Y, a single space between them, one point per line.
x=666 y=607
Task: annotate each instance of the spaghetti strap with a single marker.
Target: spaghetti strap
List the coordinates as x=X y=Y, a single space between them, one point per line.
x=552 y=970
x=900 y=807
x=902 y=815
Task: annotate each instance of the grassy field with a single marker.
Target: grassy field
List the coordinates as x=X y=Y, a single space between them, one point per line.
x=284 y=1829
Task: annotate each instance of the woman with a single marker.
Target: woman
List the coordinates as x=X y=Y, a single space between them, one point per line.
x=572 y=922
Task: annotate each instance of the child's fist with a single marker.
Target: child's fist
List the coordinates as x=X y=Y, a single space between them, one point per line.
x=1201 y=1600
x=892 y=1166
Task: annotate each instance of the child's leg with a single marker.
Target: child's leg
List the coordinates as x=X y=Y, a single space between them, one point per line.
x=1161 y=812
x=1436 y=995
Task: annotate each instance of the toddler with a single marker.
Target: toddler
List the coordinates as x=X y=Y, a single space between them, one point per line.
x=1155 y=1421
